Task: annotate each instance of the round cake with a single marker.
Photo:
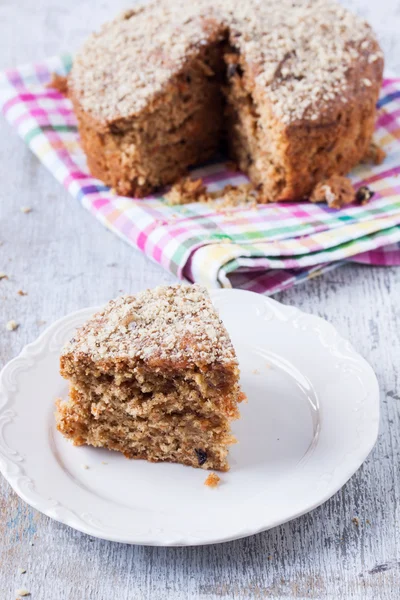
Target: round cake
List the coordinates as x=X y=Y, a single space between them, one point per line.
x=287 y=88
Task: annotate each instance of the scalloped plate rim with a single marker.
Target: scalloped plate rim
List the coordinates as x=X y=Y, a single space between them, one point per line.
x=75 y=522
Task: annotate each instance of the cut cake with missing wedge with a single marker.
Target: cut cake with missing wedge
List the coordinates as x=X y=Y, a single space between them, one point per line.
x=287 y=87
x=154 y=376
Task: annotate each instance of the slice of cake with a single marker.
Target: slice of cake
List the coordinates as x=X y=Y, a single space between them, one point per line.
x=153 y=376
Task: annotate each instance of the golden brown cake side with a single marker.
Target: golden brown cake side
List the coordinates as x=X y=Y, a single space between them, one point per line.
x=180 y=126
x=153 y=376
x=292 y=86
x=288 y=155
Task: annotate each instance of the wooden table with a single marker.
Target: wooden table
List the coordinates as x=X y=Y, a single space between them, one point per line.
x=65 y=260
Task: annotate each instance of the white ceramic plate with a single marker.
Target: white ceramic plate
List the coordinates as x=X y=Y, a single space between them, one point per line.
x=311 y=420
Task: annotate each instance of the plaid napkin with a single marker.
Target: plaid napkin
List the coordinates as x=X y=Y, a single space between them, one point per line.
x=266 y=249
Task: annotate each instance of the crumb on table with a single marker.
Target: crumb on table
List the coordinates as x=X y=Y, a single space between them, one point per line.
x=22 y=293
x=59 y=83
x=336 y=191
x=22 y=592
x=26 y=209
x=3 y=276
x=187 y=190
x=364 y=194
x=212 y=480
x=12 y=325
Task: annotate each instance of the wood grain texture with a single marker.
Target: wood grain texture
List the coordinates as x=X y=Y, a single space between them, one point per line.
x=65 y=260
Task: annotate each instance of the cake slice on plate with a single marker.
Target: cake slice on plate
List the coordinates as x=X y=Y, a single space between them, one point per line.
x=153 y=376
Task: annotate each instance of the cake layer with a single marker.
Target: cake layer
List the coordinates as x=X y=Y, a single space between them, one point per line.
x=213 y=389
x=167 y=433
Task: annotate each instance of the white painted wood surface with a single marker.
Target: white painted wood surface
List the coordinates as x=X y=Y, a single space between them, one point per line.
x=65 y=260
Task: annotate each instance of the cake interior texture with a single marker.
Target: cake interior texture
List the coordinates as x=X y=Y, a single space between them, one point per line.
x=153 y=376
x=286 y=89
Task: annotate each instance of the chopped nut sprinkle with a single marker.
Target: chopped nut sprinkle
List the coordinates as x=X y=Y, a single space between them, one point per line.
x=11 y=325
x=131 y=61
x=22 y=293
x=176 y=323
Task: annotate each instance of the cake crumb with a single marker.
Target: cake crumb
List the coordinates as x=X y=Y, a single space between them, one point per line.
x=103 y=462
x=23 y=592
x=59 y=83
x=336 y=191
x=212 y=480
x=22 y=293
x=21 y=571
x=12 y=325
x=86 y=467
x=232 y=196
x=355 y=521
x=255 y=372
x=364 y=194
x=3 y=276
x=26 y=209
x=185 y=191
x=374 y=155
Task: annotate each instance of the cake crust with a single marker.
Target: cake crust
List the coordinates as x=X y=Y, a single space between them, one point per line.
x=290 y=85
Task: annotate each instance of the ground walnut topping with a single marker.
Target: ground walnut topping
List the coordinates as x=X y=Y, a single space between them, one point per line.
x=145 y=46
x=168 y=323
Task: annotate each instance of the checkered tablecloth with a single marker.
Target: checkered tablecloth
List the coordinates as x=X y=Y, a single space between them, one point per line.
x=266 y=249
